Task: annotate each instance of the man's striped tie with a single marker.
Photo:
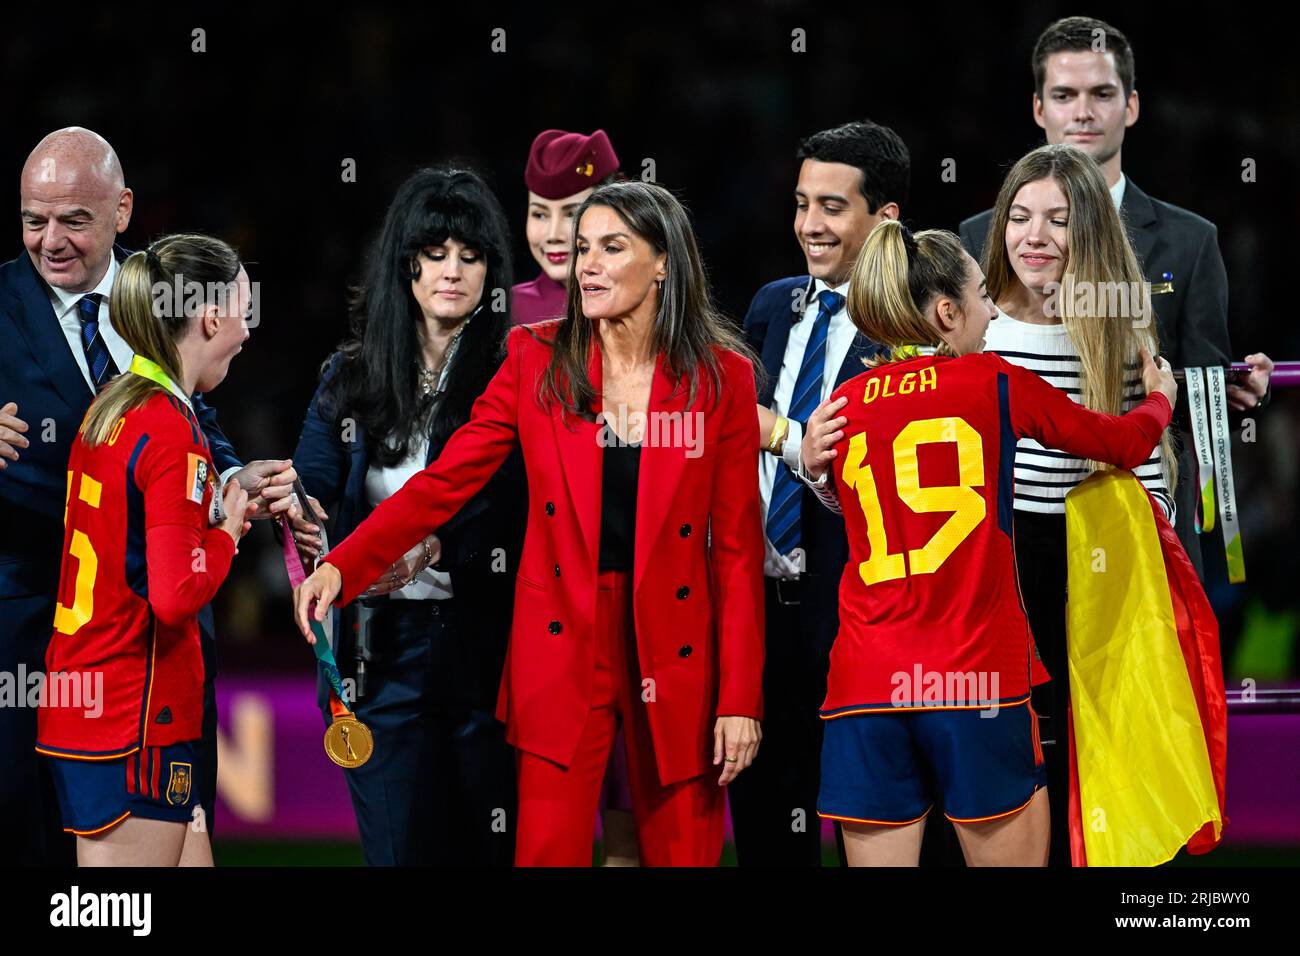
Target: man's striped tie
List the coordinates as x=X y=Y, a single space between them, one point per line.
x=783 y=528
x=98 y=360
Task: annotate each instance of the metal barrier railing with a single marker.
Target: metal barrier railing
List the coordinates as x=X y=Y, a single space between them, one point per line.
x=1281 y=700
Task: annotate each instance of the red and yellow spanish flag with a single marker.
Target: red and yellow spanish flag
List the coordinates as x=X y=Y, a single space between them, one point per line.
x=1148 y=715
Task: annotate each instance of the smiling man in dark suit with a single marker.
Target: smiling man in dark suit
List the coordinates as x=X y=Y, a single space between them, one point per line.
x=1084 y=95
x=59 y=349
x=850 y=178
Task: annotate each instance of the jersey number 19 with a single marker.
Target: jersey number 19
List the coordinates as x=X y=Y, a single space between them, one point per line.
x=967 y=506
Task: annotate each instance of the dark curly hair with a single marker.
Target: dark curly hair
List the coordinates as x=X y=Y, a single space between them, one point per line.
x=376 y=378
x=876 y=150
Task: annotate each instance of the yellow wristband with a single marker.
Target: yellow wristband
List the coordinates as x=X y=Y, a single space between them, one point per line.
x=780 y=428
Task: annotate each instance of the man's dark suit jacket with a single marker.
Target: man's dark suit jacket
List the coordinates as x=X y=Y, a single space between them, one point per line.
x=1180 y=248
x=771 y=314
x=39 y=372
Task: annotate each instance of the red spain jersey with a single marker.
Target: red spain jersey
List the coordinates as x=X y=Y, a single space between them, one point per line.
x=124 y=667
x=930 y=611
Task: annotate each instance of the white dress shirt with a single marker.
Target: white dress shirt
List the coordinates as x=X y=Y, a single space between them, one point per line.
x=1117 y=191
x=839 y=339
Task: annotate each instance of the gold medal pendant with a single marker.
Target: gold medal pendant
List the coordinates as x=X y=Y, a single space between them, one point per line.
x=348 y=742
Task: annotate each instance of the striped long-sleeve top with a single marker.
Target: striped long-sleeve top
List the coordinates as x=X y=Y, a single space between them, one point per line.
x=1044 y=475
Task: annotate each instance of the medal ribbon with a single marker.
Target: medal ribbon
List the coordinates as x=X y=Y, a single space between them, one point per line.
x=1221 y=438
x=151 y=370
x=1196 y=406
x=325 y=663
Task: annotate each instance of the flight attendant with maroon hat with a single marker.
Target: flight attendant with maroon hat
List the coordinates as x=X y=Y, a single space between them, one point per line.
x=563 y=168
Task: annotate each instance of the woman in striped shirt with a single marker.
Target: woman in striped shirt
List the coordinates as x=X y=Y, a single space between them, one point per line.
x=1043 y=475
x=1074 y=308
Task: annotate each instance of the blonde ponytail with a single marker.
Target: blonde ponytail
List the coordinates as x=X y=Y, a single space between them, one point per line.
x=896 y=276
x=147 y=308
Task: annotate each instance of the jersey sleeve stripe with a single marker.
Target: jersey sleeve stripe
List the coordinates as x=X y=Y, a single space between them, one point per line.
x=152 y=641
x=137 y=569
x=1006 y=456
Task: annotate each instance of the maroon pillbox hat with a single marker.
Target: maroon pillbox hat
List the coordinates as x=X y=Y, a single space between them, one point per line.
x=561 y=164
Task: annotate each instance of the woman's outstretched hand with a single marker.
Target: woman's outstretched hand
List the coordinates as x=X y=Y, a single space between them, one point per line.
x=314 y=597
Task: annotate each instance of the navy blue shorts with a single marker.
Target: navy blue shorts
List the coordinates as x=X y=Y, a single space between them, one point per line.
x=890 y=768
x=156 y=783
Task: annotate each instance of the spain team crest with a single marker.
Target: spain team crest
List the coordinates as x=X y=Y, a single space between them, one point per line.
x=180 y=776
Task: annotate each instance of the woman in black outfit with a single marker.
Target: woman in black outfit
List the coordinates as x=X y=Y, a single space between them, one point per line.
x=429 y=322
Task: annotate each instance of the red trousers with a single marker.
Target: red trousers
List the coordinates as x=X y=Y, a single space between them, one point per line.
x=677 y=825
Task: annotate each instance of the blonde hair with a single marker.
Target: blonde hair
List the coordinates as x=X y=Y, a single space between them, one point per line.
x=895 y=278
x=151 y=331
x=1098 y=257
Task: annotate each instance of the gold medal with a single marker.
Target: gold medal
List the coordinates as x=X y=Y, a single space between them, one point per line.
x=348 y=742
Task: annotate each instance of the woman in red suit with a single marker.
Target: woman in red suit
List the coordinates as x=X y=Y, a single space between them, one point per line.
x=639 y=597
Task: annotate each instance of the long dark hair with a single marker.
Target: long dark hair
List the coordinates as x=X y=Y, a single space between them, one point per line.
x=378 y=380
x=687 y=327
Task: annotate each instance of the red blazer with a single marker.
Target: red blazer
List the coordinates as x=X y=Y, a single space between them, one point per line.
x=698 y=560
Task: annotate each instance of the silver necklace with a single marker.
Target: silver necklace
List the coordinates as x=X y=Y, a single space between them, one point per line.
x=429 y=377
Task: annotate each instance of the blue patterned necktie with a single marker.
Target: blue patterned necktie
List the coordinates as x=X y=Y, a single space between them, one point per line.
x=787 y=491
x=98 y=360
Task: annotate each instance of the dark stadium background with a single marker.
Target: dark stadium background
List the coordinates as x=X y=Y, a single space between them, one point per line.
x=246 y=141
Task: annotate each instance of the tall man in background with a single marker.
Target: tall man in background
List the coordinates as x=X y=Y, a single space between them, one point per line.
x=1084 y=95
x=851 y=178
